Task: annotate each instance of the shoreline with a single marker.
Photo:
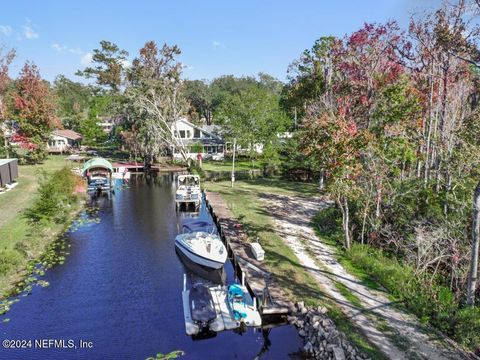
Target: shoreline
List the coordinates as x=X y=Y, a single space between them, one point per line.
x=52 y=233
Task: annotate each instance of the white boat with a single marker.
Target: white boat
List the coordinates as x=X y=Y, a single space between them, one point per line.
x=202 y=247
x=188 y=190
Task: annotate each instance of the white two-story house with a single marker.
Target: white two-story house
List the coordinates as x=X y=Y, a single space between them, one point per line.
x=195 y=137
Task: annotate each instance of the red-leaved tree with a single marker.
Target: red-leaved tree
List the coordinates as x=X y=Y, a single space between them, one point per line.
x=34 y=108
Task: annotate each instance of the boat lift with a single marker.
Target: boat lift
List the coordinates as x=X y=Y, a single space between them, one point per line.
x=224 y=319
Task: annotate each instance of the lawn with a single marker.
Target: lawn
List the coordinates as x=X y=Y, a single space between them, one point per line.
x=226 y=165
x=18 y=243
x=23 y=195
x=244 y=201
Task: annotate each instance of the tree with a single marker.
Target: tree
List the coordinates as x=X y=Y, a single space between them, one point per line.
x=92 y=133
x=253 y=117
x=199 y=95
x=108 y=68
x=336 y=145
x=473 y=274
x=35 y=110
x=5 y=61
x=155 y=92
x=73 y=101
x=309 y=77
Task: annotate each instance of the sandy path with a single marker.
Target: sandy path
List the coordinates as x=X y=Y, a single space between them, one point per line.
x=292 y=222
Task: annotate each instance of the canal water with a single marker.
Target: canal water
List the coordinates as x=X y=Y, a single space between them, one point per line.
x=120 y=289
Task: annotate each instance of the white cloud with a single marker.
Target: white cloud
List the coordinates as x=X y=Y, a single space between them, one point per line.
x=126 y=63
x=217 y=44
x=86 y=59
x=75 y=51
x=5 y=30
x=58 y=47
x=29 y=33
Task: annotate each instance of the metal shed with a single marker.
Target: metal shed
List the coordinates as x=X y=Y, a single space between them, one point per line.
x=8 y=171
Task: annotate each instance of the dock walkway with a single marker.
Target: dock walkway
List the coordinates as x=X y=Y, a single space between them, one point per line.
x=270 y=302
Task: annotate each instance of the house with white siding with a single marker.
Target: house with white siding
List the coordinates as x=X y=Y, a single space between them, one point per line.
x=62 y=141
x=193 y=137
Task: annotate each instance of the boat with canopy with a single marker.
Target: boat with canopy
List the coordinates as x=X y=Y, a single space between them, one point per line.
x=98 y=172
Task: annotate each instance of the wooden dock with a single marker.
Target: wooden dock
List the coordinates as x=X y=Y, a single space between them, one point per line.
x=271 y=300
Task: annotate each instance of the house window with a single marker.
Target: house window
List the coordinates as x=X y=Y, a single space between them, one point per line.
x=220 y=149
x=196 y=133
x=175 y=133
x=182 y=134
x=189 y=134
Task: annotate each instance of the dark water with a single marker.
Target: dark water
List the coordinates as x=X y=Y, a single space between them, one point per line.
x=120 y=288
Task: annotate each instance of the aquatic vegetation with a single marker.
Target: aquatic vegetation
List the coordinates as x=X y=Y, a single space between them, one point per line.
x=171 y=355
x=35 y=269
x=87 y=217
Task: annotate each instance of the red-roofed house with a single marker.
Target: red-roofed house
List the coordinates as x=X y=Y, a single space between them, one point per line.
x=63 y=141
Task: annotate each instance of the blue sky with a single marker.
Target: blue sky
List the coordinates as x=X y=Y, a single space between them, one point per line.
x=217 y=37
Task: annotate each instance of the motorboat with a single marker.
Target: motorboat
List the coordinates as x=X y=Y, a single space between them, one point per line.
x=202 y=247
x=202 y=308
x=188 y=190
x=215 y=276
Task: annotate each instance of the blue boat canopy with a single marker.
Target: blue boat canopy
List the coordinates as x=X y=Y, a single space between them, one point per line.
x=97 y=163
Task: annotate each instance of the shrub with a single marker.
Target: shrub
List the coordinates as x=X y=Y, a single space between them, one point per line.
x=55 y=197
x=9 y=259
x=467 y=328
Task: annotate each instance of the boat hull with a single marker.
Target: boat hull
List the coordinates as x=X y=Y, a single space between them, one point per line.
x=197 y=258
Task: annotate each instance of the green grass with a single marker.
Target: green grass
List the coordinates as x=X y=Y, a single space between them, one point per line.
x=433 y=303
x=244 y=200
x=226 y=165
x=20 y=240
x=20 y=198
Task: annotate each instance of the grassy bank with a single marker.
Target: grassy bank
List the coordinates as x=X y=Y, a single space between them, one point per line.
x=245 y=202
x=32 y=215
x=425 y=297
x=226 y=165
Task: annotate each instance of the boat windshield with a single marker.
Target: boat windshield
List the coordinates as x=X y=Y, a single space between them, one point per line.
x=199 y=226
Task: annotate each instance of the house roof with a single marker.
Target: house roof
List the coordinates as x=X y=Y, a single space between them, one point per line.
x=69 y=134
x=212 y=130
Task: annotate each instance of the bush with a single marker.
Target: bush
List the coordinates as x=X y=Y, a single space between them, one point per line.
x=429 y=301
x=9 y=259
x=467 y=328
x=55 y=197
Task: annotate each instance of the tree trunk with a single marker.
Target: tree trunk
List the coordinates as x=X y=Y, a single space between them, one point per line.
x=343 y=204
x=321 y=180
x=364 y=221
x=472 y=278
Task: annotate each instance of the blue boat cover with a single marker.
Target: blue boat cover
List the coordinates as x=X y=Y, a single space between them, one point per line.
x=235 y=290
x=196 y=225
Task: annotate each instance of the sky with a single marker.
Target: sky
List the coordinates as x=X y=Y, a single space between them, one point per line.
x=217 y=37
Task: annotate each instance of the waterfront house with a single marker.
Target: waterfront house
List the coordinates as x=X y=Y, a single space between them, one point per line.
x=62 y=141
x=197 y=139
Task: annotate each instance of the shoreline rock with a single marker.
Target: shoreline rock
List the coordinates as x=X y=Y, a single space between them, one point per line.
x=321 y=339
